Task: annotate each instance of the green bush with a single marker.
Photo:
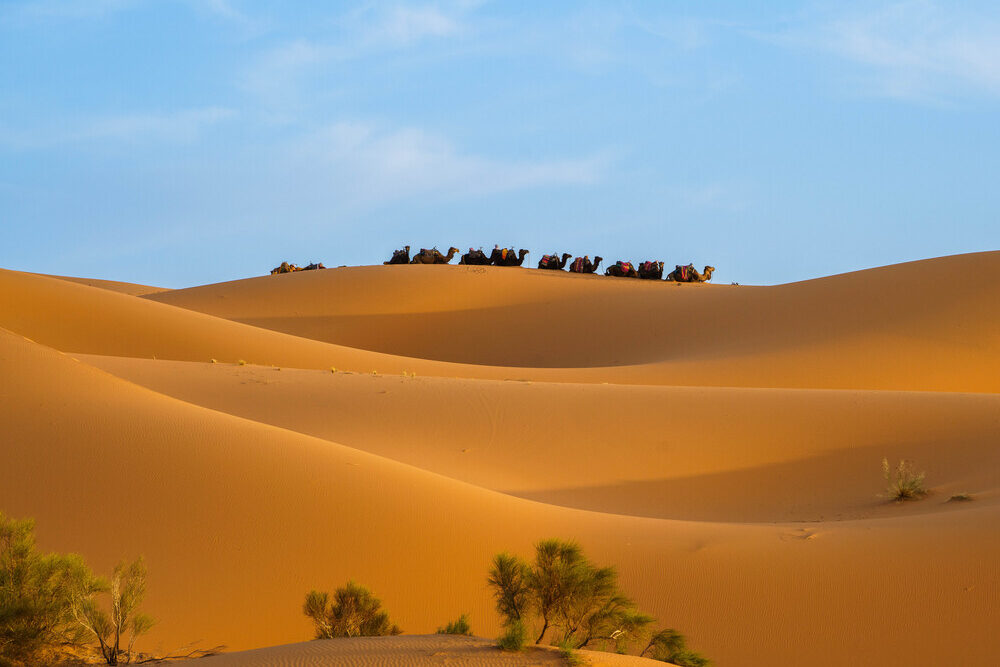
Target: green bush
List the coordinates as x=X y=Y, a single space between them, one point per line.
x=509 y=579
x=354 y=612
x=459 y=627
x=514 y=637
x=903 y=483
x=568 y=593
x=582 y=601
x=37 y=594
x=668 y=645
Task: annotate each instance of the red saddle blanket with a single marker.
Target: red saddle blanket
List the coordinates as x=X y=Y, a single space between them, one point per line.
x=577 y=265
x=626 y=267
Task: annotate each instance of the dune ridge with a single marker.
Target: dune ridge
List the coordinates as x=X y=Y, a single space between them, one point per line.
x=732 y=480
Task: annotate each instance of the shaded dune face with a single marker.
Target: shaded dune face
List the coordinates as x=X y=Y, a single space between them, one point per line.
x=725 y=458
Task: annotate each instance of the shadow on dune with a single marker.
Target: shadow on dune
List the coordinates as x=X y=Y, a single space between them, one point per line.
x=838 y=486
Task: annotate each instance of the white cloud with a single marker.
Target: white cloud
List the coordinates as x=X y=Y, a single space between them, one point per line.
x=405 y=25
x=913 y=49
x=371 y=164
x=278 y=75
x=179 y=126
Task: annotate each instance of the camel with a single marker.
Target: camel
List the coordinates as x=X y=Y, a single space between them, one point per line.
x=650 y=270
x=689 y=274
x=475 y=257
x=552 y=262
x=400 y=256
x=314 y=266
x=285 y=268
x=433 y=256
x=622 y=269
x=584 y=265
x=506 y=257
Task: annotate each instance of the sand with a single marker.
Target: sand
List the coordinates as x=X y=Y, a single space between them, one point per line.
x=720 y=445
x=412 y=650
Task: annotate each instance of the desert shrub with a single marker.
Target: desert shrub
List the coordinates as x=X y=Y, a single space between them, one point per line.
x=668 y=645
x=124 y=623
x=688 y=658
x=509 y=579
x=459 y=627
x=568 y=593
x=37 y=592
x=903 y=483
x=354 y=612
x=514 y=637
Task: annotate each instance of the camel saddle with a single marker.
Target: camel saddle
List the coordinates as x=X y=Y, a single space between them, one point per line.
x=648 y=267
x=548 y=260
x=683 y=273
x=577 y=265
x=626 y=267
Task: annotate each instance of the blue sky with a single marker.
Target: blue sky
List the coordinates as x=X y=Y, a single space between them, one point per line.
x=184 y=142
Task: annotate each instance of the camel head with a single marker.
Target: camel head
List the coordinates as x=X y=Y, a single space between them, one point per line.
x=522 y=253
x=566 y=255
x=407 y=249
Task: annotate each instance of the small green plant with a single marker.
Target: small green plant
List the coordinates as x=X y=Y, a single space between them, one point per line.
x=333 y=369
x=459 y=627
x=242 y=362
x=960 y=498
x=903 y=483
x=353 y=612
x=569 y=655
x=215 y=361
x=668 y=645
x=514 y=637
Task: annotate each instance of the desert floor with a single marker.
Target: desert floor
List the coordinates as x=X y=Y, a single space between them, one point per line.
x=720 y=445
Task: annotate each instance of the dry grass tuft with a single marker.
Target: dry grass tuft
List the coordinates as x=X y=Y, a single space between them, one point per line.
x=903 y=483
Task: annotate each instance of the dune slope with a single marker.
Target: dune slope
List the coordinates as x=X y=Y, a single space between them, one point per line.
x=641 y=450
x=731 y=477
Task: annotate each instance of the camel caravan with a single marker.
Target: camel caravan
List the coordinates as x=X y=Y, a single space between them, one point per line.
x=555 y=262
x=508 y=257
x=285 y=267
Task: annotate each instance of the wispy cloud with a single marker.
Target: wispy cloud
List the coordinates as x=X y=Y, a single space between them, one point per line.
x=179 y=126
x=373 y=164
x=914 y=49
x=279 y=73
x=407 y=25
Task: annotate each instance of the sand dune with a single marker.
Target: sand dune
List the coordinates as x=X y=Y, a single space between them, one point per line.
x=420 y=650
x=732 y=478
x=647 y=451
x=926 y=325
x=133 y=289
